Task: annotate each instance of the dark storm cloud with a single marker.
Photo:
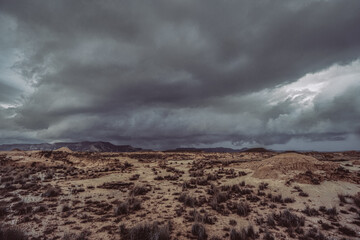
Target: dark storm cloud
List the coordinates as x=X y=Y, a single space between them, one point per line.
x=171 y=72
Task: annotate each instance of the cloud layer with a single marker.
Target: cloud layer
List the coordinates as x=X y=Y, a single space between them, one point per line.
x=180 y=73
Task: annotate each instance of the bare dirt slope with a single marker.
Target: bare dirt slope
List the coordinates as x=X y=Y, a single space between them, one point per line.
x=64 y=149
x=284 y=165
x=72 y=195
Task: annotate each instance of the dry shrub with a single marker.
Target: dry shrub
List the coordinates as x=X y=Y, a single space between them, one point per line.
x=243 y=234
x=131 y=204
x=146 y=230
x=242 y=209
x=140 y=190
x=9 y=233
x=199 y=231
x=188 y=200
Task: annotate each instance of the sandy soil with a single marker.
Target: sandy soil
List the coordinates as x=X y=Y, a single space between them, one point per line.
x=71 y=195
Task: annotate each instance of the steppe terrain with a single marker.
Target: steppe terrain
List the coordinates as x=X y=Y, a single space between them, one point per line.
x=179 y=195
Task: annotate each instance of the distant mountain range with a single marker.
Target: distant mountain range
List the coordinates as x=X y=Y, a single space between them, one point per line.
x=216 y=149
x=258 y=150
x=74 y=146
x=219 y=150
x=109 y=147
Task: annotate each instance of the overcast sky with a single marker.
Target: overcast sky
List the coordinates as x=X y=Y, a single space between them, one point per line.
x=280 y=74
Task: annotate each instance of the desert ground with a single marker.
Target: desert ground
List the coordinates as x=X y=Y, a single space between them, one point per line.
x=179 y=195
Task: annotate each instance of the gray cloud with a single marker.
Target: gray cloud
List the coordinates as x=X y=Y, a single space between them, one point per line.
x=7 y=92
x=169 y=73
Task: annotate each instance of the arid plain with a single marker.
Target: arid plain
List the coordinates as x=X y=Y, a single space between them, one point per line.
x=179 y=195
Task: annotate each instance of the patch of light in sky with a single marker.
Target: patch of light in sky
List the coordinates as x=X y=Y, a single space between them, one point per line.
x=333 y=80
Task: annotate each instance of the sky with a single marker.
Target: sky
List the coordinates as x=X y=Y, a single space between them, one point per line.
x=160 y=74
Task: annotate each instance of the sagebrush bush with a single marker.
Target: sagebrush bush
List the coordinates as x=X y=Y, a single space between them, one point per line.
x=198 y=173
x=263 y=186
x=243 y=234
x=277 y=199
x=270 y=220
x=203 y=218
x=73 y=236
x=268 y=236
x=199 y=231
x=140 y=190
x=342 y=198
x=52 y=192
x=331 y=211
x=288 y=219
x=289 y=200
x=285 y=219
x=313 y=234
x=356 y=199
x=326 y=226
x=188 y=200
x=10 y=233
x=212 y=177
x=347 y=231
x=134 y=177
x=310 y=211
x=242 y=209
x=146 y=231
x=122 y=208
x=3 y=211
x=303 y=194
x=131 y=204
x=221 y=196
x=232 y=222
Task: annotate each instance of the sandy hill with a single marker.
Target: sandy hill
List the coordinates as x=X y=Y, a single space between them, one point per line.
x=15 y=150
x=64 y=149
x=287 y=163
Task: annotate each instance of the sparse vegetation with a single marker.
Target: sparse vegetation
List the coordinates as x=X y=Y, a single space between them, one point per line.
x=232 y=222
x=131 y=204
x=199 y=231
x=188 y=200
x=134 y=177
x=342 y=198
x=356 y=199
x=242 y=209
x=268 y=236
x=122 y=194
x=73 y=236
x=202 y=218
x=243 y=234
x=52 y=192
x=310 y=211
x=11 y=233
x=289 y=200
x=303 y=194
x=331 y=212
x=3 y=211
x=146 y=230
x=263 y=186
x=326 y=226
x=285 y=219
x=140 y=190
x=347 y=231
x=314 y=234
x=277 y=199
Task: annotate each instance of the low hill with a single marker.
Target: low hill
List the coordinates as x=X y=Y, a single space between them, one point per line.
x=64 y=149
x=286 y=163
